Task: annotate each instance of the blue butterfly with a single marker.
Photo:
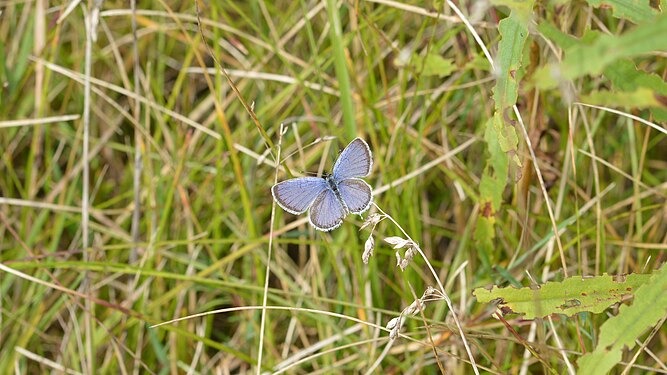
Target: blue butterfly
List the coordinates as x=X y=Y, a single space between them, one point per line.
x=333 y=196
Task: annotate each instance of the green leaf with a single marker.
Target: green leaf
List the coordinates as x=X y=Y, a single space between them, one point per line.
x=636 y=11
x=640 y=98
x=436 y=65
x=544 y=78
x=494 y=179
x=507 y=137
x=622 y=73
x=583 y=58
x=521 y=8
x=484 y=235
x=491 y=188
x=563 y=40
x=570 y=296
x=500 y=134
x=625 y=76
x=510 y=50
x=514 y=33
x=621 y=331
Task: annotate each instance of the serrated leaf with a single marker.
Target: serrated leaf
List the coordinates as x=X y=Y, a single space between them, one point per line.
x=491 y=189
x=621 y=331
x=494 y=179
x=634 y=10
x=513 y=33
x=625 y=76
x=436 y=65
x=507 y=137
x=522 y=8
x=500 y=135
x=570 y=296
x=640 y=98
x=583 y=59
x=484 y=236
x=622 y=73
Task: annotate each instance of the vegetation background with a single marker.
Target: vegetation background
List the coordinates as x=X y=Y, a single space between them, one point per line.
x=135 y=186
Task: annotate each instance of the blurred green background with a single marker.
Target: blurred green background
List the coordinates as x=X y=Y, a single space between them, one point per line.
x=178 y=159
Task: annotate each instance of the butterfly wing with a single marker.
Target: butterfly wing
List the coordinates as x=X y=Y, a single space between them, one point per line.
x=327 y=212
x=355 y=161
x=356 y=194
x=297 y=194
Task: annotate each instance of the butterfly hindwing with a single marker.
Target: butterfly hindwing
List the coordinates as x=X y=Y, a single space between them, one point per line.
x=356 y=194
x=327 y=212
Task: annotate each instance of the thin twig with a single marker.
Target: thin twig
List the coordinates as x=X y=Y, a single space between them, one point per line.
x=267 y=307
x=382 y=355
x=628 y=115
x=45 y=361
x=303 y=353
x=643 y=347
x=559 y=344
x=136 y=178
x=86 y=181
x=268 y=261
x=38 y=121
x=265 y=137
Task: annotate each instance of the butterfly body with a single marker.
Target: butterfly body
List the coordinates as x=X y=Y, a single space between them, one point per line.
x=333 y=186
x=332 y=197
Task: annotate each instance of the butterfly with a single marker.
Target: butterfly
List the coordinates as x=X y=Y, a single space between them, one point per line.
x=333 y=196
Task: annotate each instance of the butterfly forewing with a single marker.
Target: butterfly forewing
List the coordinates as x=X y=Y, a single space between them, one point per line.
x=356 y=194
x=326 y=213
x=297 y=194
x=355 y=161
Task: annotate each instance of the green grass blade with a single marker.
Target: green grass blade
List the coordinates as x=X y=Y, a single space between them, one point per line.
x=342 y=74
